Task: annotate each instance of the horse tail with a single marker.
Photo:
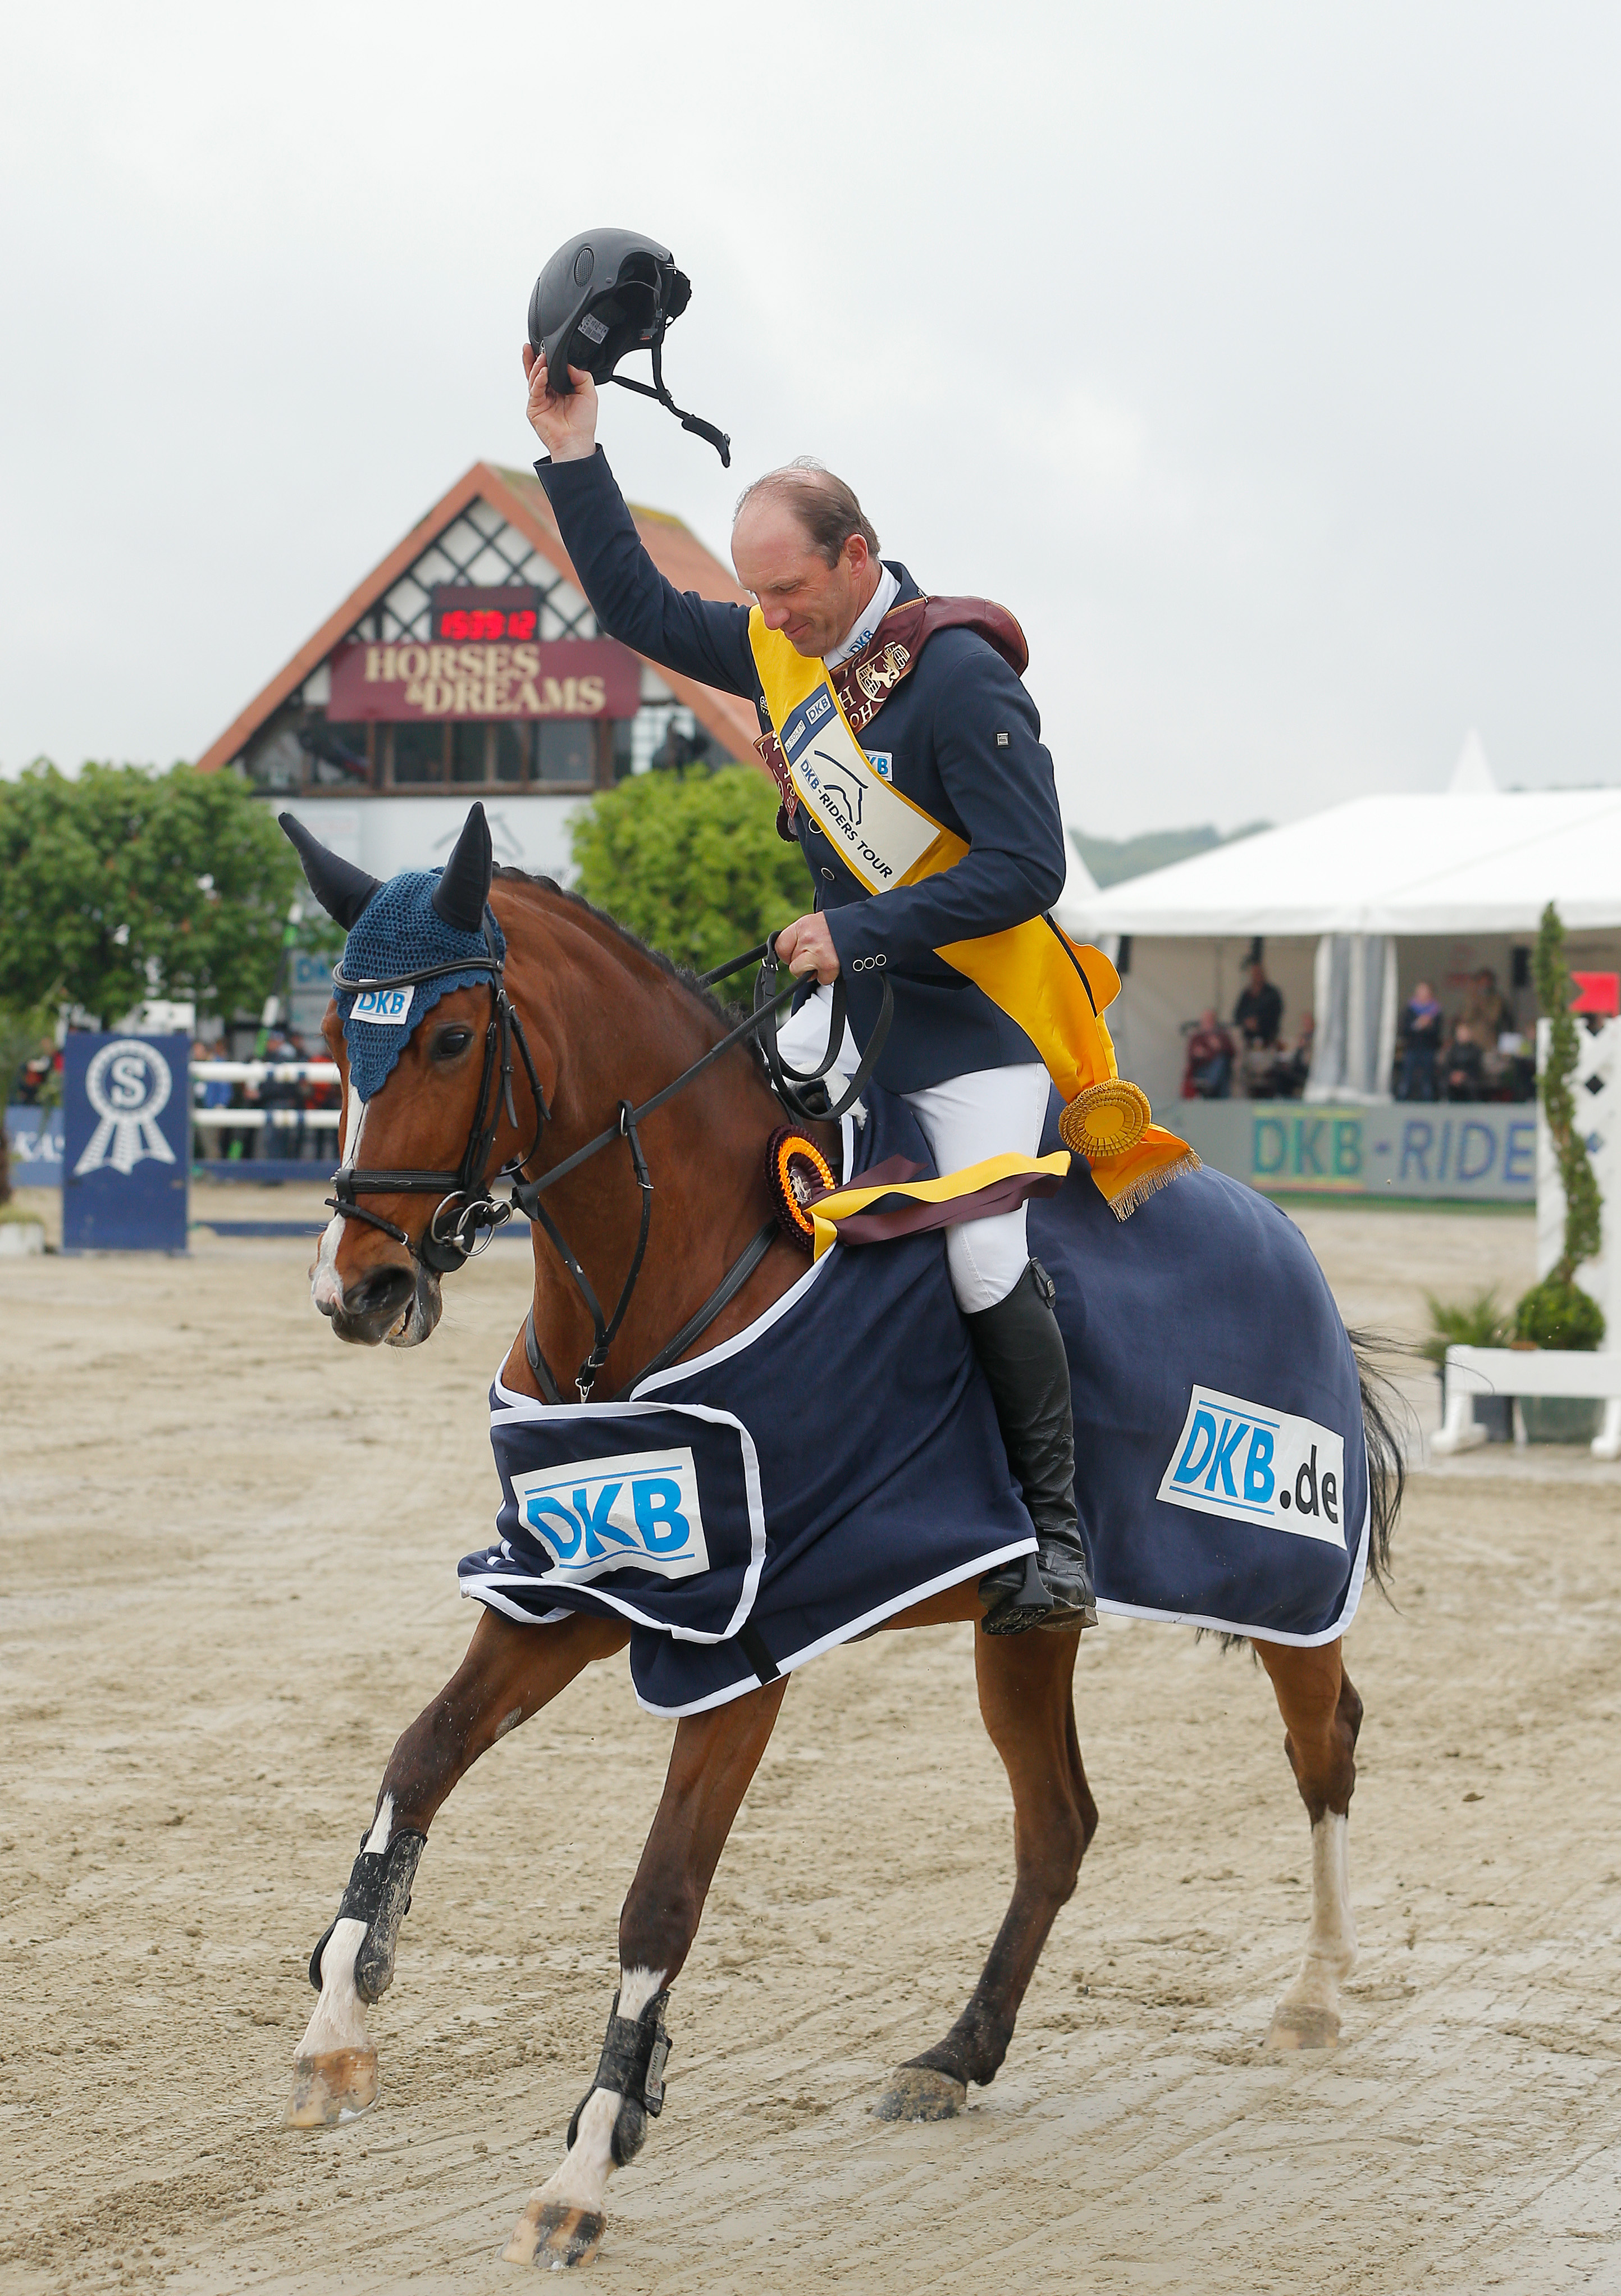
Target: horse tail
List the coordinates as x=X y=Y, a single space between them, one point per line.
x=1382 y=1407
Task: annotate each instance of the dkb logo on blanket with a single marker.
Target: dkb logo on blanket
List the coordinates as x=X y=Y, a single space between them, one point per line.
x=1235 y=1459
x=637 y=1512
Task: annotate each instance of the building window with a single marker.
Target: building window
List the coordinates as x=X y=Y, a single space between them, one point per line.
x=467 y=744
x=566 y=753
x=418 y=752
x=511 y=743
x=339 y=756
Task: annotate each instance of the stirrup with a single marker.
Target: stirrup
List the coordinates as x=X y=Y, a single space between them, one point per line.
x=1024 y=1601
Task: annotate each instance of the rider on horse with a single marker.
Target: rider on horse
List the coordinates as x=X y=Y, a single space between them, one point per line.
x=962 y=742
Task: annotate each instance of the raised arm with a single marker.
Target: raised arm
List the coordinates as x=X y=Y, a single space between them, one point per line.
x=704 y=638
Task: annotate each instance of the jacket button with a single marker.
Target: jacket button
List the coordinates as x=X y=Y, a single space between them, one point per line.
x=829 y=875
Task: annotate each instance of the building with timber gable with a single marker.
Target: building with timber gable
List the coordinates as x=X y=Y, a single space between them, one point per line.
x=469 y=664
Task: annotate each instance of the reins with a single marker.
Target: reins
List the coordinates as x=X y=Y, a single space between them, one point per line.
x=480 y=1213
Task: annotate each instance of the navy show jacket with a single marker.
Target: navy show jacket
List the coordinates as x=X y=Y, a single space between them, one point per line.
x=963 y=739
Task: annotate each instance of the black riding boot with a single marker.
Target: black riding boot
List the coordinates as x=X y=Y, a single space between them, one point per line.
x=1022 y=1352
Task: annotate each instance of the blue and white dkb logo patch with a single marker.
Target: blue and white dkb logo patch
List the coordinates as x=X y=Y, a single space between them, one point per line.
x=1236 y=1459
x=639 y=1511
x=389 y=1008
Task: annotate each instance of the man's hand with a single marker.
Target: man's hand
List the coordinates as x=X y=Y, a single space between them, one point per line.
x=566 y=426
x=808 y=946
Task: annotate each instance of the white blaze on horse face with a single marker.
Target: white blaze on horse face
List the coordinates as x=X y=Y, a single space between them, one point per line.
x=580 y=2181
x=325 y=1285
x=339 y=2020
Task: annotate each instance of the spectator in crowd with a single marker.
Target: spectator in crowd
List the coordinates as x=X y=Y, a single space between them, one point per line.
x=1211 y=1051
x=1423 y=1025
x=280 y=1096
x=209 y=1140
x=1465 y=1071
x=33 y=1078
x=1258 y=1014
x=320 y=1142
x=1485 y=1009
x=1291 y=1069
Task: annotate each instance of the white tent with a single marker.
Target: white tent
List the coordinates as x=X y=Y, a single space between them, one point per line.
x=1354 y=905
x=1388 y=865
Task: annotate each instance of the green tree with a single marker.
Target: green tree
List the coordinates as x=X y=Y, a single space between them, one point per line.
x=1556 y=1313
x=24 y=1030
x=123 y=884
x=693 y=866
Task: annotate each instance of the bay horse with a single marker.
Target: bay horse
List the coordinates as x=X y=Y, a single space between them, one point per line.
x=605 y=1021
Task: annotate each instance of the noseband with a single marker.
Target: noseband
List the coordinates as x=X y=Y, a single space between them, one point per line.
x=476 y=1214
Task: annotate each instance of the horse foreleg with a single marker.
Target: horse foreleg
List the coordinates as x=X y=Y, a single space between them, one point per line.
x=711 y=1763
x=1026 y=1699
x=509 y=1673
x=1322 y=1715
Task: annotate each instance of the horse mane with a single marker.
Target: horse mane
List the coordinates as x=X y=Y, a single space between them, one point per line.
x=683 y=975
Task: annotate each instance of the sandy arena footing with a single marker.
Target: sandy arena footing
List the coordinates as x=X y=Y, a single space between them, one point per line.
x=230 y=1547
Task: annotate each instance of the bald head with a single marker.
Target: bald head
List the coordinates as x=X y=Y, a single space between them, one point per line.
x=802 y=543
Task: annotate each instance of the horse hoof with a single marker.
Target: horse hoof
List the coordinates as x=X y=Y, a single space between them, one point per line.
x=1303 y=2028
x=554 y=2234
x=333 y=2086
x=919 y=2093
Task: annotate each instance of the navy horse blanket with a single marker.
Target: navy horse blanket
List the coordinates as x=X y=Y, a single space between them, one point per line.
x=839 y=1459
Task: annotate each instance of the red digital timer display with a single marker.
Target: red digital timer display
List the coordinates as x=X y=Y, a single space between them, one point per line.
x=461 y=613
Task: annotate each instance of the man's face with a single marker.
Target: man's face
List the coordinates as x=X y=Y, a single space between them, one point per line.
x=799 y=593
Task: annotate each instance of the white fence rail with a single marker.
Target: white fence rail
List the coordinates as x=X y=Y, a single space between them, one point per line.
x=263 y=1071
x=255 y=1119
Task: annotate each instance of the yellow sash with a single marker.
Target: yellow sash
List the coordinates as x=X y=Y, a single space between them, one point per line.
x=1033 y=972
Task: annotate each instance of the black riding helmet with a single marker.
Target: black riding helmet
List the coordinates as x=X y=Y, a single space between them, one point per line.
x=600 y=297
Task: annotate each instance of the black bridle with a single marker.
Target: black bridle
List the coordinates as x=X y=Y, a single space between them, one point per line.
x=467 y=1186
x=478 y=1213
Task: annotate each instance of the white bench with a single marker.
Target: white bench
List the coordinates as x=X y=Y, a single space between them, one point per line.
x=1528 y=1370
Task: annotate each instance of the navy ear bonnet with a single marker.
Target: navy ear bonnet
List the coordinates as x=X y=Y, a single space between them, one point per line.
x=400 y=930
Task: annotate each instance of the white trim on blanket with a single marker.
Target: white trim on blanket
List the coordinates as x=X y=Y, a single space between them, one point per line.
x=521 y=1407
x=856 y=1627
x=919 y=1594
x=1347 y=1612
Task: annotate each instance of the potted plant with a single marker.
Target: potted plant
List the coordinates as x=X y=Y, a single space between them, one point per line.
x=1482 y=1321
x=1556 y=1312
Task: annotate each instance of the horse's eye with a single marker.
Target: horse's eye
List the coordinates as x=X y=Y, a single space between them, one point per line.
x=450 y=1041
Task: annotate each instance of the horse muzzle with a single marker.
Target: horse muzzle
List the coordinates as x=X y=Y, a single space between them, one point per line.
x=394 y=1303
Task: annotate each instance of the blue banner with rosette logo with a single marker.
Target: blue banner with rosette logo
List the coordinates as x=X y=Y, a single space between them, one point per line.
x=125 y=1113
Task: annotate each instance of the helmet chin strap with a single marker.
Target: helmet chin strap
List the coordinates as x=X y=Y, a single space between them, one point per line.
x=719 y=439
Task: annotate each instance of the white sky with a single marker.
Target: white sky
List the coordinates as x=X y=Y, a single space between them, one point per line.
x=1262 y=358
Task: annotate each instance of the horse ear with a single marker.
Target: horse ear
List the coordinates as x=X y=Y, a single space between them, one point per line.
x=459 y=897
x=342 y=889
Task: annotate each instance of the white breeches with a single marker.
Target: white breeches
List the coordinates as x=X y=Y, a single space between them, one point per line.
x=964 y=1120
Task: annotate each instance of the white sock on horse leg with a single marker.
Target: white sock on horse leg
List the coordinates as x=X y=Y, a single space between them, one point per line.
x=580 y=2180
x=1308 y=2017
x=1333 y=1936
x=339 y=2020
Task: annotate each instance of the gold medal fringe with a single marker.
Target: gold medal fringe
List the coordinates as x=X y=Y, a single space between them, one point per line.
x=1124 y=1196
